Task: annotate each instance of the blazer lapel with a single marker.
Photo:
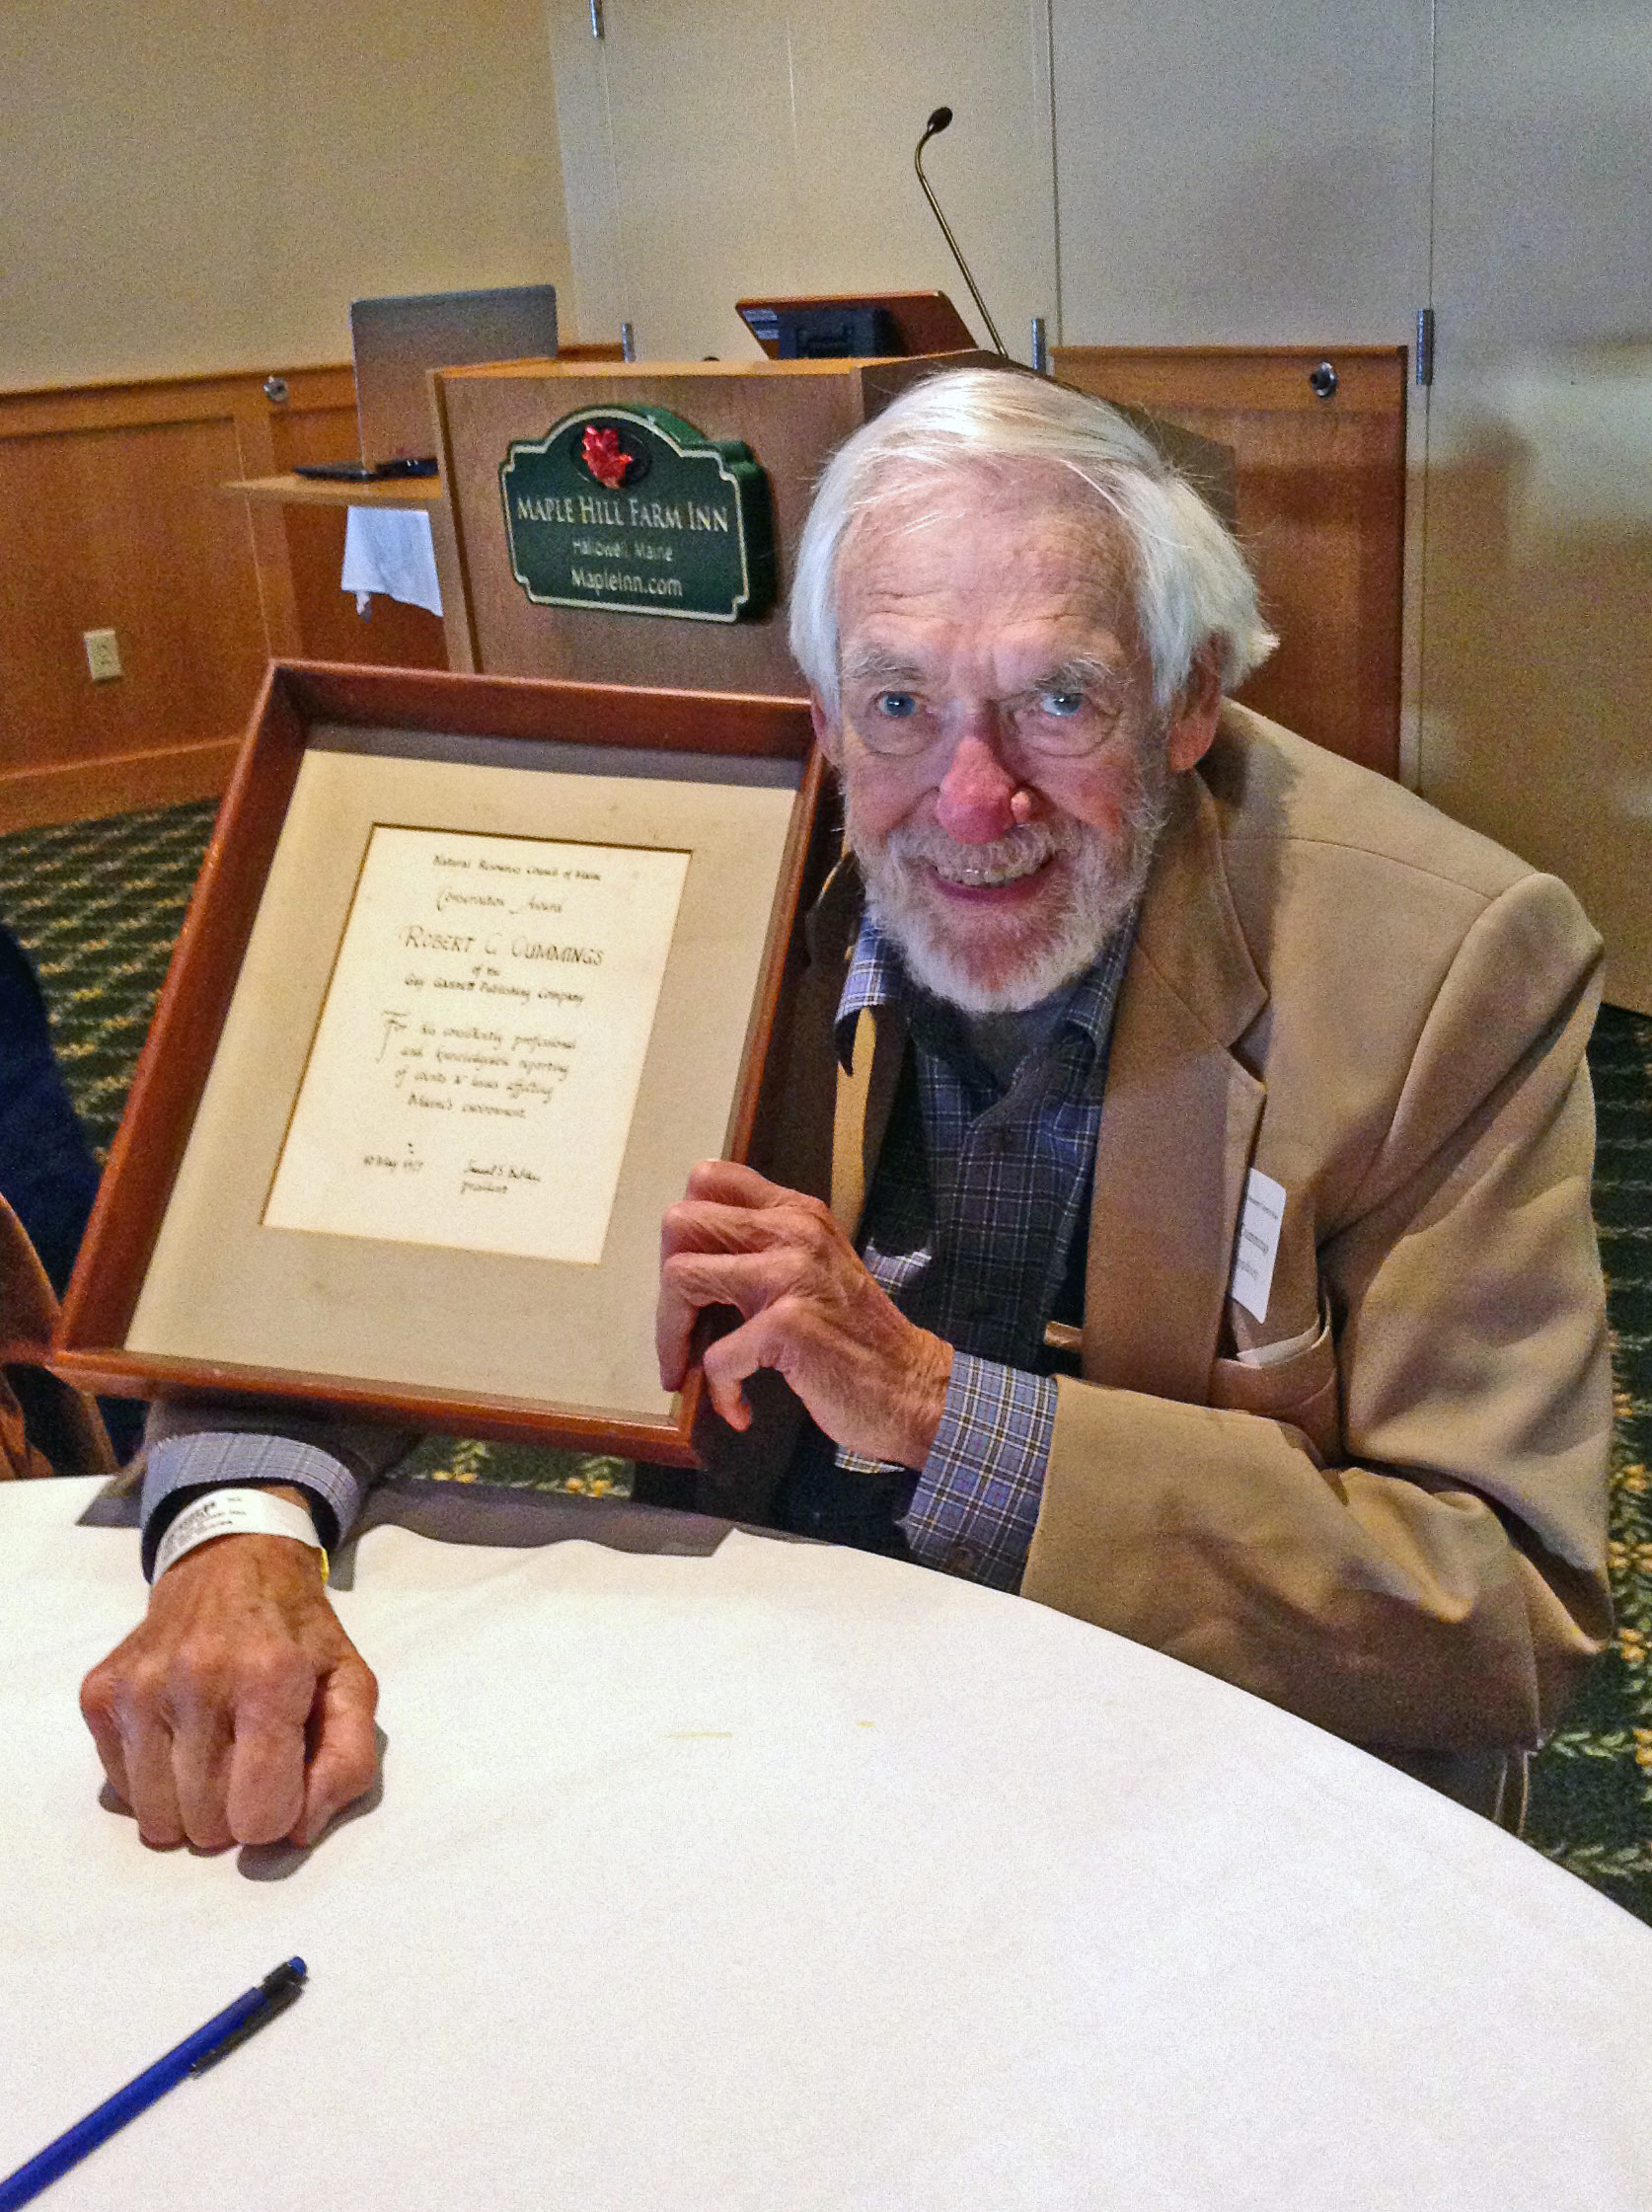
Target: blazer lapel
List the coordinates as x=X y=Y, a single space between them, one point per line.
x=865 y=1091
x=865 y=1099
x=1178 y=1125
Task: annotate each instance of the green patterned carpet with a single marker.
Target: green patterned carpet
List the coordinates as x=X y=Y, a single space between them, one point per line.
x=1591 y=1787
x=97 y=905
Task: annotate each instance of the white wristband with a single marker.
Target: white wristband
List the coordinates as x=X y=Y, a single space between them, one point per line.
x=236 y=1513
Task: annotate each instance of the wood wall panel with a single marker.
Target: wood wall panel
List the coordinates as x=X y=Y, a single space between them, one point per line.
x=1320 y=495
x=119 y=528
x=110 y=519
x=112 y=516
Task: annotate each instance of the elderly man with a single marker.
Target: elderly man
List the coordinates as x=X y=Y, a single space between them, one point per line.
x=1184 y=1216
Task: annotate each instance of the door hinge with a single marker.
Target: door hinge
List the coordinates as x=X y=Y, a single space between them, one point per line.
x=597 y=32
x=1425 y=345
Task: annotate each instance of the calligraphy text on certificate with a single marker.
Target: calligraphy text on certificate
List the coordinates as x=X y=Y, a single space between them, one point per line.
x=475 y=1065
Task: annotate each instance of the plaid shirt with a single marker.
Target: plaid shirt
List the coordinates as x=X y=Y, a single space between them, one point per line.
x=970 y=1226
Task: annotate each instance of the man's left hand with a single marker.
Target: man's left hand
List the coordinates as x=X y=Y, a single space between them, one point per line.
x=873 y=1381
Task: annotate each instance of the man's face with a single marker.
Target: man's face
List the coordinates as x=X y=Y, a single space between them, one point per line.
x=1003 y=766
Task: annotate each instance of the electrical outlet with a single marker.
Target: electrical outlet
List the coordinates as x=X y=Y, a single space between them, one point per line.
x=102 y=655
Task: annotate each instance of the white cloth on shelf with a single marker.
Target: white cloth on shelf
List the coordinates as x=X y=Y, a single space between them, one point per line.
x=390 y=550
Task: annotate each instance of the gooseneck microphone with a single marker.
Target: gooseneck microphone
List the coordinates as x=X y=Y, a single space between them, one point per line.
x=932 y=129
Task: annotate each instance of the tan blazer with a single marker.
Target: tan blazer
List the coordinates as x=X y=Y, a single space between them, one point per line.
x=61 y=1432
x=1397 y=1526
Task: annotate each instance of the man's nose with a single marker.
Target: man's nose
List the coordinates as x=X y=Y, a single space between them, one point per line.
x=972 y=803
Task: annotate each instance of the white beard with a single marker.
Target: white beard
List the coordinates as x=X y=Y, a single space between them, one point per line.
x=1004 y=961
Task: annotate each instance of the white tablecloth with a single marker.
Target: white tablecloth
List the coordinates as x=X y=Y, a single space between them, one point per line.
x=390 y=550
x=791 y=1878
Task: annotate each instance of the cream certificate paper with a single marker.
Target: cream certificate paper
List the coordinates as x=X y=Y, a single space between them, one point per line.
x=475 y=1069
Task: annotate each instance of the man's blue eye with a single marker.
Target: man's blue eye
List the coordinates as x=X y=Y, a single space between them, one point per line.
x=896 y=706
x=1062 y=703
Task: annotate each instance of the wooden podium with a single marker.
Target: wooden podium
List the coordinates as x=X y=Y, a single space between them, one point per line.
x=790 y=413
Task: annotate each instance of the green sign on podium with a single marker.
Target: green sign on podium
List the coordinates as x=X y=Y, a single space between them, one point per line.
x=632 y=510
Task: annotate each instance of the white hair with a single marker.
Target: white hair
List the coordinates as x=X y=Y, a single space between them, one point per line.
x=1192 y=587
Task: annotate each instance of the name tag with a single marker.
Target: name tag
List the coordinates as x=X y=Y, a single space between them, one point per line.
x=1258 y=1243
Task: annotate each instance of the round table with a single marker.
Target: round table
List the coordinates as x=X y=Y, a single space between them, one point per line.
x=788 y=1877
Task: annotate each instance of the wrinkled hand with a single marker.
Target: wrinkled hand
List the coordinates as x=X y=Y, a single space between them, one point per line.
x=873 y=1381
x=239 y=1712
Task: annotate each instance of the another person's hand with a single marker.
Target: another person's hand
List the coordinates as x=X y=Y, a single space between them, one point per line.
x=239 y=1711
x=874 y=1379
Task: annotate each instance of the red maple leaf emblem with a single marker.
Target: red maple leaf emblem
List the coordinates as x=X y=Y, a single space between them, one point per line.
x=601 y=454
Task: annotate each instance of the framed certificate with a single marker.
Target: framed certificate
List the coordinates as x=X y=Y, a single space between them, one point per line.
x=477 y=969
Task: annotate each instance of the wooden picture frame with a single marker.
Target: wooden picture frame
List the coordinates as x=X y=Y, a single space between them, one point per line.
x=694 y=753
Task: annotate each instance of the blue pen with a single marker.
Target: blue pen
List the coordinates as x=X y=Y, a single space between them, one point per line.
x=193 y=2055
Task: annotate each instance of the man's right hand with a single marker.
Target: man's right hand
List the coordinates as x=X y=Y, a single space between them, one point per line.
x=239 y=1712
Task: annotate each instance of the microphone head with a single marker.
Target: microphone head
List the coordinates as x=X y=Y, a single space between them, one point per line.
x=937 y=122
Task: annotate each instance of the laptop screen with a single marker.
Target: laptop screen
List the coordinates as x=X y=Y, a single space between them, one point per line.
x=395 y=343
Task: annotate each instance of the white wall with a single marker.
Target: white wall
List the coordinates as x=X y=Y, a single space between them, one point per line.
x=198 y=185
x=1536 y=645
x=1250 y=172
x=718 y=148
